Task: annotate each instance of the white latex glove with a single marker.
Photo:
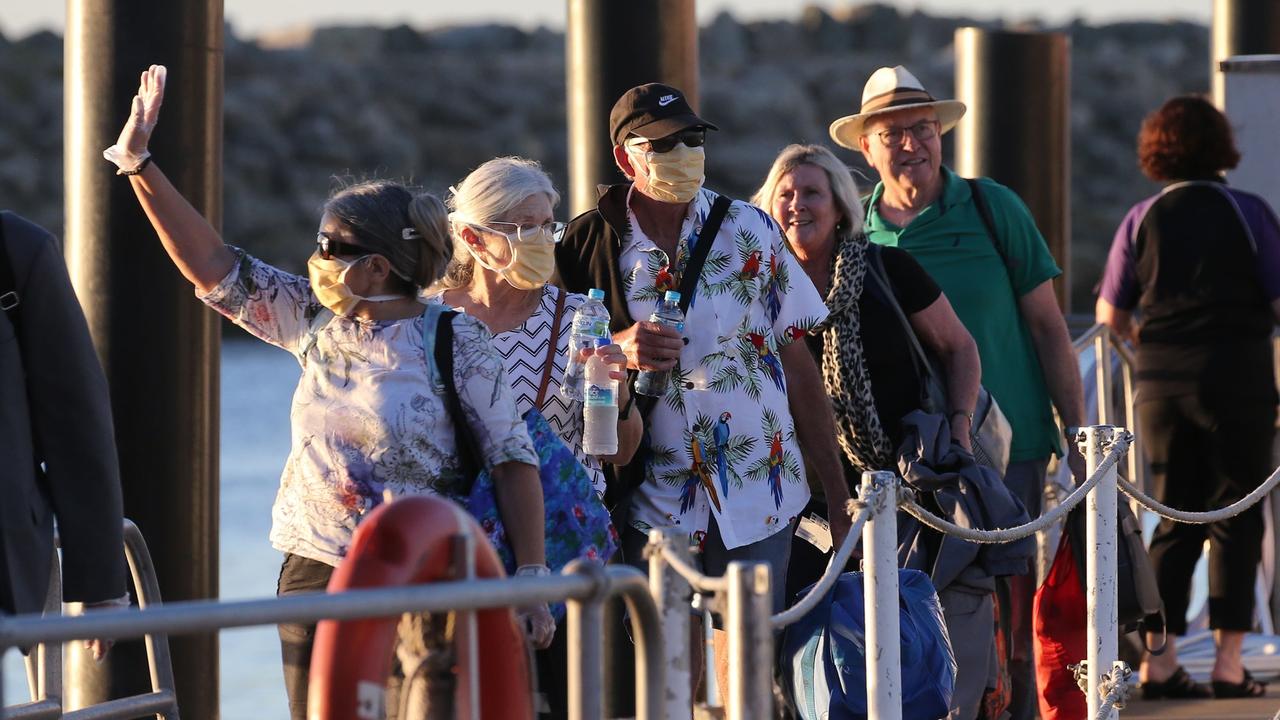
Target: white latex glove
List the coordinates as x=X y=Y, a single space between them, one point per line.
x=131 y=147
x=536 y=621
x=101 y=646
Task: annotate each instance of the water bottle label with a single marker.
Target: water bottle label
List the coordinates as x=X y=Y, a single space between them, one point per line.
x=591 y=326
x=677 y=326
x=599 y=395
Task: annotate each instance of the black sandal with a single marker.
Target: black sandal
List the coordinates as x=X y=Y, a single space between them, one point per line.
x=1246 y=688
x=1178 y=686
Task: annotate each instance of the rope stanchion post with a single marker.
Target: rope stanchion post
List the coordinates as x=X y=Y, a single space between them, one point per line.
x=880 y=596
x=750 y=641
x=672 y=594
x=1101 y=539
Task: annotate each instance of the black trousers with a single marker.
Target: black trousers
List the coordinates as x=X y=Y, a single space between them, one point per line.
x=1206 y=454
x=299 y=574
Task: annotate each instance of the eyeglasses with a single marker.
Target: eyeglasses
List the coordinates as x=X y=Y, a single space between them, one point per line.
x=329 y=248
x=528 y=233
x=895 y=137
x=693 y=137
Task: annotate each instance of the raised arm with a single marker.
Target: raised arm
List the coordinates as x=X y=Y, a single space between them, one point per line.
x=192 y=243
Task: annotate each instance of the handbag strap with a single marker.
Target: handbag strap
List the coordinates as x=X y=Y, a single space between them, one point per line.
x=693 y=271
x=876 y=270
x=552 y=345
x=443 y=355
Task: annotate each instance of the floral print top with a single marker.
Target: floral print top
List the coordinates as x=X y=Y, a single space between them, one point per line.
x=524 y=354
x=367 y=416
x=722 y=439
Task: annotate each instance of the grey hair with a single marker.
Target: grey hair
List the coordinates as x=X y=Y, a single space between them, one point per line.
x=843 y=188
x=410 y=230
x=485 y=196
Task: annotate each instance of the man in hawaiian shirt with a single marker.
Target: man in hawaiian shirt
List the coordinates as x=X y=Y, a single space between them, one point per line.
x=745 y=411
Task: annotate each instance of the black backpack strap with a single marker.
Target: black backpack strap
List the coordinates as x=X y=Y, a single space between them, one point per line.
x=631 y=476
x=9 y=298
x=443 y=356
x=693 y=271
x=988 y=221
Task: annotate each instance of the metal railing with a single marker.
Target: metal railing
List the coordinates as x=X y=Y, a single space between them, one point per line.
x=741 y=596
x=44 y=664
x=1110 y=412
x=585 y=586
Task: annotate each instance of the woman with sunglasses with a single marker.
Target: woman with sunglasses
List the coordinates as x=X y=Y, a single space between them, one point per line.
x=503 y=257
x=367 y=419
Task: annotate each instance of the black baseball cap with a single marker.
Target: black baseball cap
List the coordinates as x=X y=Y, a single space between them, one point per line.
x=652 y=111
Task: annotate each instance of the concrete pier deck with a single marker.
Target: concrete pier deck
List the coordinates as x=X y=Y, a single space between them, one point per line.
x=1263 y=708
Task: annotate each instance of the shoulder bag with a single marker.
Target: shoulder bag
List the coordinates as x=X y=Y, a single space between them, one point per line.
x=989 y=432
x=577 y=524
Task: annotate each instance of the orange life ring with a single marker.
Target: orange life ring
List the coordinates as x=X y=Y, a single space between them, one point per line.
x=408 y=542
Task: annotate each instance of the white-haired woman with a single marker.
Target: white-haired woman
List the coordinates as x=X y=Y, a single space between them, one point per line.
x=813 y=197
x=504 y=239
x=366 y=417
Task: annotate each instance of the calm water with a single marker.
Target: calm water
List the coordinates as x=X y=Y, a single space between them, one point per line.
x=257 y=384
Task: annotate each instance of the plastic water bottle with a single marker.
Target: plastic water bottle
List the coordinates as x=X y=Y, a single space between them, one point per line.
x=600 y=407
x=590 y=323
x=654 y=382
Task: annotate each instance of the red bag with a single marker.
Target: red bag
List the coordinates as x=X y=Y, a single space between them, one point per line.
x=1060 y=637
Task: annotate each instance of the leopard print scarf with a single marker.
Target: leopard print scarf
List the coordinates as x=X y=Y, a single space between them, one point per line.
x=844 y=370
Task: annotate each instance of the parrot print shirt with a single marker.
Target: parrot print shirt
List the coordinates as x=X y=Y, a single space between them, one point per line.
x=722 y=440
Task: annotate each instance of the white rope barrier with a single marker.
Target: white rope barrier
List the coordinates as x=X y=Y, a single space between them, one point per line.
x=1184 y=516
x=1004 y=535
x=862 y=511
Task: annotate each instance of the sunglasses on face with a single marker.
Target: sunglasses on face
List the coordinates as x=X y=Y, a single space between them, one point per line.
x=330 y=248
x=693 y=137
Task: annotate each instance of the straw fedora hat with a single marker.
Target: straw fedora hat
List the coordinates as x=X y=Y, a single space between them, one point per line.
x=887 y=90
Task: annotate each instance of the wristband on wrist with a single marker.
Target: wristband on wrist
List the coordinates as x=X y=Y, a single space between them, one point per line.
x=967 y=413
x=141 y=166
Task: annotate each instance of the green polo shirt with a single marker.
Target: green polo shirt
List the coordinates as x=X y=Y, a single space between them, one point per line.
x=951 y=242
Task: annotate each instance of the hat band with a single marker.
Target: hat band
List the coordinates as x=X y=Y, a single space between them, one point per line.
x=894 y=98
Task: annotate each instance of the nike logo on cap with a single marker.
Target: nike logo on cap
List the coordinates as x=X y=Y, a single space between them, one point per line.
x=666 y=100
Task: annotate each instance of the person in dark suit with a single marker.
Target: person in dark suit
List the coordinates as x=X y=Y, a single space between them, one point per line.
x=57 y=441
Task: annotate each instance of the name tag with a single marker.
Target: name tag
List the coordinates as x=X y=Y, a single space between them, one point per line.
x=815 y=531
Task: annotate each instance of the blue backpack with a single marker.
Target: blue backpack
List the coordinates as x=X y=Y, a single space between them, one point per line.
x=824 y=666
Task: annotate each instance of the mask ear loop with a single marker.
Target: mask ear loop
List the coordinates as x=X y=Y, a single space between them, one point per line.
x=484 y=264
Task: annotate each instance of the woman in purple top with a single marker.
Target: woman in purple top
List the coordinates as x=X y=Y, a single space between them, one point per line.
x=1199 y=264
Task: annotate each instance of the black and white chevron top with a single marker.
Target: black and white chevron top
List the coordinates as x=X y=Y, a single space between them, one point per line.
x=524 y=351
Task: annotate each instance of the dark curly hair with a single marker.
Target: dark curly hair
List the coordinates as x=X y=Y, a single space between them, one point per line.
x=1186 y=138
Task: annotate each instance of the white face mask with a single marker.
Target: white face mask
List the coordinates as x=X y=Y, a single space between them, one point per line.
x=674 y=176
x=328 y=282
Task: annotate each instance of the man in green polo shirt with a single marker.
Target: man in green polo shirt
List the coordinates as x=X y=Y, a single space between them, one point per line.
x=1001 y=288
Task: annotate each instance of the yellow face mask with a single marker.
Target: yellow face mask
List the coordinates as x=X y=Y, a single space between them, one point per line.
x=328 y=282
x=674 y=176
x=533 y=260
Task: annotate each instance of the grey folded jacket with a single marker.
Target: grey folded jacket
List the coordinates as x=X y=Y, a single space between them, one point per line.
x=951 y=483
